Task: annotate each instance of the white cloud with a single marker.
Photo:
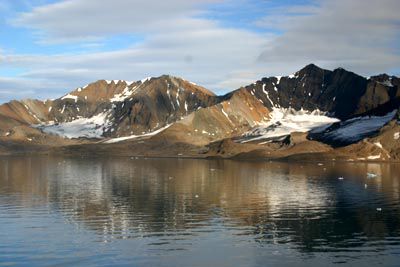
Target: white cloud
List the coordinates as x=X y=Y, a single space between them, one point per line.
x=175 y=41
x=76 y=20
x=17 y=88
x=360 y=35
x=204 y=53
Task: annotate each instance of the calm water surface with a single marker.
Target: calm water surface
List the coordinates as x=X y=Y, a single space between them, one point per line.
x=175 y=212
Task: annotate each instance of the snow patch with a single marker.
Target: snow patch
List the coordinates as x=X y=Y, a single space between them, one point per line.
x=127 y=92
x=387 y=83
x=378 y=144
x=69 y=96
x=119 y=139
x=226 y=115
x=396 y=136
x=177 y=98
x=265 y=92
x=146 y=79
x=375 y=157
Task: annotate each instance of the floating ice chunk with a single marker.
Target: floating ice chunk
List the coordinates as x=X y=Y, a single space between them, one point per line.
x=371 y=175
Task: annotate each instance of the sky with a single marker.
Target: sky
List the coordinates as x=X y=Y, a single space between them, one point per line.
x=50 y=47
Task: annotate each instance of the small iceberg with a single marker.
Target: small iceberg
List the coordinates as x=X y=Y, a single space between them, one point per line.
x=371 y=175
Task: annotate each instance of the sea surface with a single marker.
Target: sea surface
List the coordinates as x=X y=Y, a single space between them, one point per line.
x=57 y=211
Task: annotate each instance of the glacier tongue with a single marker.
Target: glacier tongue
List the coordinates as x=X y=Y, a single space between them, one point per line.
x=356 y=129
x=285 y=121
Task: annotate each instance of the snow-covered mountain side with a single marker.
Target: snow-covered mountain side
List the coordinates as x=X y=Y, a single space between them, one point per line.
x=110 y=108
x=312 y=111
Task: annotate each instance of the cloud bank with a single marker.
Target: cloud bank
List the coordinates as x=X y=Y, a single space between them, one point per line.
x=184 y=38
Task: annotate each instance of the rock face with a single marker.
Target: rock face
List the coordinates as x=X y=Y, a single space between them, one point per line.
x=133 y=107
x=111 y=108
x=312 y=111
x=340 y=93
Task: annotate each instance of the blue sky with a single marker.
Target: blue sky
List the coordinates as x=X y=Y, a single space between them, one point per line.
x=49 y=47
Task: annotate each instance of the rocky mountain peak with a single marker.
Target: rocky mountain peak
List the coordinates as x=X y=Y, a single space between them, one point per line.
x=310 y=70
x=186 y=112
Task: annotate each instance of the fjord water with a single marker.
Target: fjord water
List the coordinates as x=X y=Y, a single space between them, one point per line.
x=187 y=212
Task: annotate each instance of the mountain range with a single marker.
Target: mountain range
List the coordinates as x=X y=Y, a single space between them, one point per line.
x=312 y=114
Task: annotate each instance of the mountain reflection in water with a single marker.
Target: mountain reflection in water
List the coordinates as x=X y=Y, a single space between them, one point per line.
x=187 y=212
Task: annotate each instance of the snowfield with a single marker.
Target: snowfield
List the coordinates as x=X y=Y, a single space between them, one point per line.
x=93 y=127
x=284 y=121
